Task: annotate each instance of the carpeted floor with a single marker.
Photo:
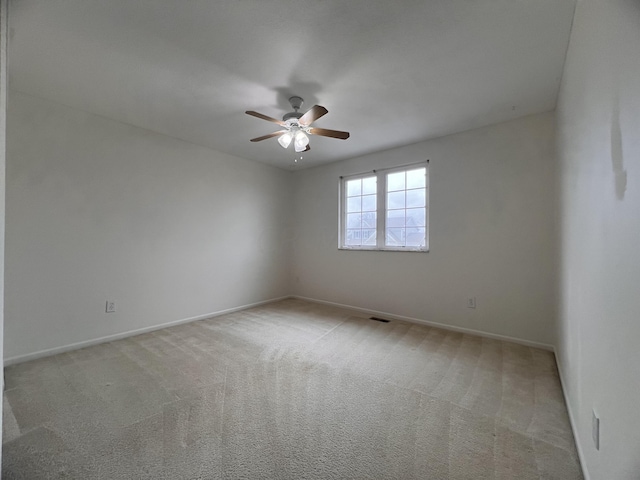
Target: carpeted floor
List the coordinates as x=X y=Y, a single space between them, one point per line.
x=290 y=390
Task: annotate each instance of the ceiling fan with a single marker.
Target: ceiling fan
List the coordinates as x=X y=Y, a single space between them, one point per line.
x=296 y=126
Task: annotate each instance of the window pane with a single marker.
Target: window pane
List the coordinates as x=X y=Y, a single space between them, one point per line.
x=369 y=220
x=416 y=178
x=416 y=198
x=354 y=187
x=395 y=181
x=395 y=218
x=353 y=237
x=353 y=220
x=369 y=203
x=395 y=199
x=369 y=237
x=416 y=217
x=369 y=185
x=395 y=237
x=415 y=237
x=354 y=204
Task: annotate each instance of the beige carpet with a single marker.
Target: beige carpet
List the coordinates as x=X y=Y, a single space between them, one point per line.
x=291 y=390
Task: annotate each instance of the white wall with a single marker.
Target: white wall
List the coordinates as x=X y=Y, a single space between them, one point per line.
x=100 y=210
x=492 y=234
x=3 y=127
x=599 y=153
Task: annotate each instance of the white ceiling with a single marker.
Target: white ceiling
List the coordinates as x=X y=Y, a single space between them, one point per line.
x=390 y=72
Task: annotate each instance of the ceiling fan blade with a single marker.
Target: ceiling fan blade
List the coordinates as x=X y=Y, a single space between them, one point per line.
x=312 y=115
x=271 y=135
x=325 y=132
x=264 y=117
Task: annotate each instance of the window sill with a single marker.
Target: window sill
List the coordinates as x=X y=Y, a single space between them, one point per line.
x=376 y=249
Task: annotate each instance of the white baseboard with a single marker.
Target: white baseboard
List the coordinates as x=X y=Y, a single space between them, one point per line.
x=572 y=420
x=367 y=311
x=443 y=326
x=129 y=333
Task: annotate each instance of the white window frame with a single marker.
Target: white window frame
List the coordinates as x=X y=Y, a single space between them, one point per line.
x=381 y=209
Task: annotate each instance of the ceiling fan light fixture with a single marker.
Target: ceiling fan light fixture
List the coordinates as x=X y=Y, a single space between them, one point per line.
x=301 y=141
x=285 y=140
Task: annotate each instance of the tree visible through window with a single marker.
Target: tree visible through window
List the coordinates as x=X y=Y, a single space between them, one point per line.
x=385 y=210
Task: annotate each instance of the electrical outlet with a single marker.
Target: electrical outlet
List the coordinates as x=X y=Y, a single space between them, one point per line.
x=471 y=302
x=595 y=430
x=111 y=306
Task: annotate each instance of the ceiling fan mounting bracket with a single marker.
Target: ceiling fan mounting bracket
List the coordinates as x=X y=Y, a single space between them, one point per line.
x=296 y=102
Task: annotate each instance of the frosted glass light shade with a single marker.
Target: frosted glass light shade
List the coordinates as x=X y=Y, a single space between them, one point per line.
x=301 y=141
x=285 y=139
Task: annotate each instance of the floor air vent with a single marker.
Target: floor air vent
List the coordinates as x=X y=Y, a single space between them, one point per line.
x=378 y=319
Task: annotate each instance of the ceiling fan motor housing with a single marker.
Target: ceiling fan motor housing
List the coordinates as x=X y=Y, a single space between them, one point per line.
x=296 y=102
x=287 y=116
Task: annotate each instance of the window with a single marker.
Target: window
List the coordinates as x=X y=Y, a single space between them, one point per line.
x=385 y=210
